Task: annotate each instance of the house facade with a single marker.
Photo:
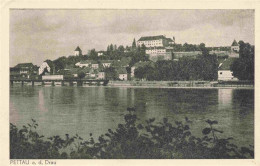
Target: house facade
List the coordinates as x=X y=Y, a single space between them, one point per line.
x=83 y=64
x=157 y=47
x=106 y=63
x=122 y=74
x=235 y=46
x=234 y=50
x=100 y=53
x=226 y=75
x=155 y=41
x=24 y=70
x=95 y=65
x=101 y=75
x=224 y=72
x=44 y=67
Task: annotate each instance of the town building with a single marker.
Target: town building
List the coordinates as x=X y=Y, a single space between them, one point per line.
x=155 y=41
x=122 y=74
x=224 y=72
x=106 y=63
x=85 y=63
x=46 y=68
x=235 y=47
x=14 y=72
x=157 y=47
x=101 y=75
x=234 y=50
x=160 y=53
x=78 y=51
x=24 y=70
x=101 y=53
x=88 y=63
x=94 y=65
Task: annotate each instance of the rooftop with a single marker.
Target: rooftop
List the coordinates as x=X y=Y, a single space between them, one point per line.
x=234 y=43
x=152 y=38
x=78 y=49
x=24 y=65
x=169 y=39
x=226 y=64
x=122 y=70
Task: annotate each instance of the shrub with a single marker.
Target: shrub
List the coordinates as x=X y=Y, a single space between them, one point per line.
x=129 y=141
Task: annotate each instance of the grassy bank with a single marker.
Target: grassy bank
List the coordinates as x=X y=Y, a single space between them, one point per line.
x=130 y=140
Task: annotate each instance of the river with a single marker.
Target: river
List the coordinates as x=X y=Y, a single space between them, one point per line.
x=84 y=110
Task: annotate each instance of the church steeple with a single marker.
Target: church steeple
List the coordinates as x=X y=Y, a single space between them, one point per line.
x=78 y=51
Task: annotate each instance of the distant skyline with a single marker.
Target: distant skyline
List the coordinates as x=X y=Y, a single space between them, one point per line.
x=37 y=35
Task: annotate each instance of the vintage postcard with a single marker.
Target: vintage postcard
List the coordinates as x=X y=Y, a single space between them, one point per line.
x=112 y=82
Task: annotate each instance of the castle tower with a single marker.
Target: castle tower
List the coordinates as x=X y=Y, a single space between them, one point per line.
x=235 y=47
x=78 y=51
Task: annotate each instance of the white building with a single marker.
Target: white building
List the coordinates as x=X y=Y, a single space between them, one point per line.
x=155 y=41
x=106 y=63
x=234 y=50
x=83 y=64
x=123 y=77
x=44 y=66
x=77 y=51
x=224 y=72
x=157 y=47
x=122 y=74
x=94 y=65
x=100 y=53
x=235 y=46
x=101 y=75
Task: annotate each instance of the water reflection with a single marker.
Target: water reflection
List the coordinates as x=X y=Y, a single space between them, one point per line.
x=225 y=98
x=42 y=107
x=84 y=110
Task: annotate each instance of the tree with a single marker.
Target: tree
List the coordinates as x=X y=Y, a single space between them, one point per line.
x=81 y=74
x=243 y=67
x=134 y=44
x=115 y=47
x=111 y=47
x=111 y=73
x=207 y=66
x=93 y=54
x=202 y=46
x=60 y=63
x=121 y=48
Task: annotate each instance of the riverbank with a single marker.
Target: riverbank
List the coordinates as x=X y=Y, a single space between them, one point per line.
x=181 y=84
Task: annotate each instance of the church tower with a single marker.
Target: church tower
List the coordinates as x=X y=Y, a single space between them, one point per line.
x=78 y=51
x=235 y=47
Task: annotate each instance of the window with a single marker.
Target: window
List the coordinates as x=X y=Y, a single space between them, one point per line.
x=220 y=73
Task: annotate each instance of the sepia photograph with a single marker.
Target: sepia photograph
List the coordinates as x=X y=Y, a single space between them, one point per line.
x=131 y=84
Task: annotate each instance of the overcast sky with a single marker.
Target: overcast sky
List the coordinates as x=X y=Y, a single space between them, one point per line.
x=37 y=35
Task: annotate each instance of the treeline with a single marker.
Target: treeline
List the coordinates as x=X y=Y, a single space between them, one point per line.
x=204 y=67
x=193 y=47
x=187 y=47
x=130 y=140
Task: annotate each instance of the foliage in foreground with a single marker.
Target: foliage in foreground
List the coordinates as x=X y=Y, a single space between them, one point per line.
x=129 y=141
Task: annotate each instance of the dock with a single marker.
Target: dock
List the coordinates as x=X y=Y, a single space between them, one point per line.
x=79 y=82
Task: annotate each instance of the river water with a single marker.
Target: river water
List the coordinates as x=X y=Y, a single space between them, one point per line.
x=84 y=110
